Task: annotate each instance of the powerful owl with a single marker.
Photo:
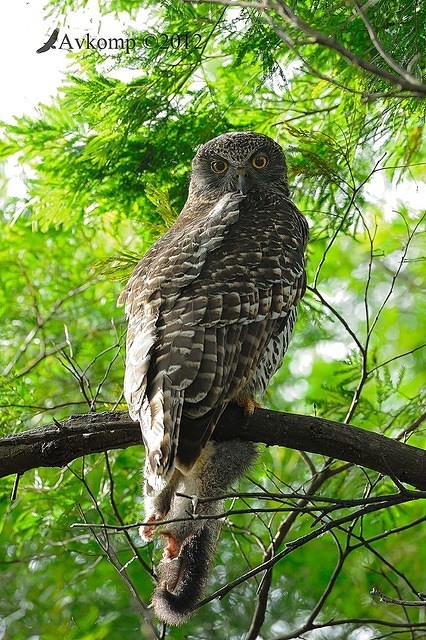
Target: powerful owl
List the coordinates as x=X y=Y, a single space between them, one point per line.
x=211 y=309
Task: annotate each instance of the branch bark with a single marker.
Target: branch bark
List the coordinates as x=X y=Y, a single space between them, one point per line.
x=58 y=444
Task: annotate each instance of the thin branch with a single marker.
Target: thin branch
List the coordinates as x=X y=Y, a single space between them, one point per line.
x=404 y=603
x=318 y=608
x=338 y=315
x=379 y=48
x=402 y=261
x=374 y=503
x=41 y=322
x=277 y=541
x=397 y=357
x=296 y=544
x=116 y=511
x=403 y=81
x=110 y=553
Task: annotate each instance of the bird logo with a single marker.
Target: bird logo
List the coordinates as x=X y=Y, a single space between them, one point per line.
x=50 y=42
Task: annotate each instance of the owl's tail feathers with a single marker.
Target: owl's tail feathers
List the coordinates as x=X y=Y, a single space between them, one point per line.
x=192 y=539
x=193 y=437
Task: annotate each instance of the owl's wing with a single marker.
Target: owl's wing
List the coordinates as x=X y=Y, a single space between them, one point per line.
x=209 y=323
x=173 y=262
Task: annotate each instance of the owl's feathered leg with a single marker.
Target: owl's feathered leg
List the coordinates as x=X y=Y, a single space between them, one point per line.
x=192 y=540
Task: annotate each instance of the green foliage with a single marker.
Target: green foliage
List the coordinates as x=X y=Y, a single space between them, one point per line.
x=106 y=168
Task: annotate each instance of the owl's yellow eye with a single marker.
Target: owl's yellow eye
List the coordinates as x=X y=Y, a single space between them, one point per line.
x=260 y=161
x=219 y=166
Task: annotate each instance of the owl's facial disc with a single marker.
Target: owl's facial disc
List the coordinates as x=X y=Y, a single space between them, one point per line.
x=238 y=162
x=239 y=176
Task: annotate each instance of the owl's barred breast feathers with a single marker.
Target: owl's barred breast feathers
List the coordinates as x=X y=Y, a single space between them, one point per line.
x=211 y=309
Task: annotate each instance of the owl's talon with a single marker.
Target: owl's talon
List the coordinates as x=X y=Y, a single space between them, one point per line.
x=249 y=405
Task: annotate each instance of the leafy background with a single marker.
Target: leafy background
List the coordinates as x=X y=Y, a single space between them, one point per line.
x=106 y=167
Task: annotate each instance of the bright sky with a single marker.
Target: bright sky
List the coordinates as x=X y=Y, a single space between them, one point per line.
x=27 y=78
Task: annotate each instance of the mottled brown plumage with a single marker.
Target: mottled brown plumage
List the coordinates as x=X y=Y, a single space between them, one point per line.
x=211 y=306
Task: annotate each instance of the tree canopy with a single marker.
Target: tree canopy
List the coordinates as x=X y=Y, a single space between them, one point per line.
x=106 y=165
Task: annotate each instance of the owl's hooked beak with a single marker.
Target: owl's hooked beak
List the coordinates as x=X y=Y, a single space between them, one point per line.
x=243 y=183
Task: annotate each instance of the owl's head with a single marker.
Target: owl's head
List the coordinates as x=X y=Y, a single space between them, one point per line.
x=242 y=161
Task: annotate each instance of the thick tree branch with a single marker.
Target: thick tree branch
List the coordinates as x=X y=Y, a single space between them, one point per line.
x=58 y=444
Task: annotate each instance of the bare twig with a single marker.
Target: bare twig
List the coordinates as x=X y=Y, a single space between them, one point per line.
x=379 y=47
x=403 y=80
x=102 y=539
x=41 y=321
x=403 y=603
x=296 y=544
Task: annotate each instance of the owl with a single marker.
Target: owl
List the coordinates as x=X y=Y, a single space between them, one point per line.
x=211 y=308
